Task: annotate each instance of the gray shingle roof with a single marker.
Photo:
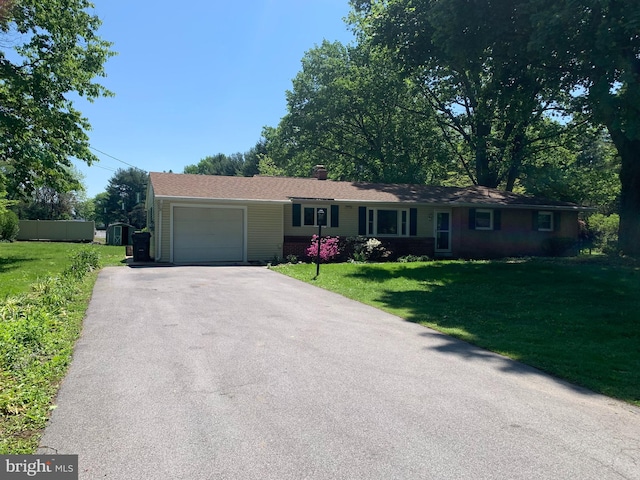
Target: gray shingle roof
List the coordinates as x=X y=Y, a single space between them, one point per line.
x=286 y=189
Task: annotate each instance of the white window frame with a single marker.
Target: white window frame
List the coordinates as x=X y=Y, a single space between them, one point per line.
x=545 y=214
x=484 y=210
x=327 y=215
x=403 y=221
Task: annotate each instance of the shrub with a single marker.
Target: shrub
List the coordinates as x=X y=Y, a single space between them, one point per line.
x=329 y=248
x=9 y=226
x=375 y=251
x=365 y=249
x=275 y=261
x=292 y=259
x=604 y=231
x=83 y=262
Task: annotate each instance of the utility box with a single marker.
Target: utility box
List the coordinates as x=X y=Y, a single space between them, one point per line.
x=141 y=246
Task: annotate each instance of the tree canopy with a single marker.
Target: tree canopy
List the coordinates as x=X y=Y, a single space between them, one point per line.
x=351 y=110
x=124 y=199
x=470 y=61
x=49 y=52
x=595 y=46
x=47 y=203
x=237 y=164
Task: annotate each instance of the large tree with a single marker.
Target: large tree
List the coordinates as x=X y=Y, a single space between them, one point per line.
x=49 y=52
x=583 y=170
x=469 y=60
x=125 y=197
x=45 y=202
x=351 y=110
x=219 y=164
x=595 y=46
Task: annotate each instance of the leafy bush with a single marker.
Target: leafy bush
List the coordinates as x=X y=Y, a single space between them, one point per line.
x=603 y=229
x=375 y=251
x=292 y=259
x=83 y=262
x=9 y=225
x=366 y=249
x=275 y=260
x=329 y=248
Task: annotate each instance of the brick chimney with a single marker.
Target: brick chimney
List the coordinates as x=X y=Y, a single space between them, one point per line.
x=320 y=172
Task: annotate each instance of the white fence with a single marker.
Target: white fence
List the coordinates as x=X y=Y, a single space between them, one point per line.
x=57 y=230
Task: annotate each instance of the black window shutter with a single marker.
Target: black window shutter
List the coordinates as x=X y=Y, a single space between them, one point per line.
x=335 y=212
x=413 y=222
x=556 y=221
x=362 y=220
x=472 y=219
x=497 y=219
x=535 y=219
x=297 y=215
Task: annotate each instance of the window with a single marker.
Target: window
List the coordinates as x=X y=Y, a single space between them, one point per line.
x=545 y=221
x=307 y=215
x=310 y=216
x=386 y=222
x=484 y=219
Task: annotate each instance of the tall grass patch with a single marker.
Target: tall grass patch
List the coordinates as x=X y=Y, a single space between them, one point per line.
x=37 y=334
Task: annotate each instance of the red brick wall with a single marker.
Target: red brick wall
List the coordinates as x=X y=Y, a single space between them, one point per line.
x=516 y=236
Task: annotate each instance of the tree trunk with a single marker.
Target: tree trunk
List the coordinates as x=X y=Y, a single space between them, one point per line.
x=629 y=230
x=486 y=175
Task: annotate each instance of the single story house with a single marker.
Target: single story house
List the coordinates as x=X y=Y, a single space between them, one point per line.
x=204 y=218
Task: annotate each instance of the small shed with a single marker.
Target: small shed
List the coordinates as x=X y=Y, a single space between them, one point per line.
x=120 y=234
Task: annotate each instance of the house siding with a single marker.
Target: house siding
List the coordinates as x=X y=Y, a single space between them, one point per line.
x=349 y=219
x=264 y=232
x=165 y=231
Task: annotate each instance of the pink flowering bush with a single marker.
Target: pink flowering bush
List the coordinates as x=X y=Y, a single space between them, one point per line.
x=329 y=248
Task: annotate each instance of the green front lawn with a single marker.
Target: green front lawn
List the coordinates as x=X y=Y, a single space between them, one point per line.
x=23 y=263
x=578 y=319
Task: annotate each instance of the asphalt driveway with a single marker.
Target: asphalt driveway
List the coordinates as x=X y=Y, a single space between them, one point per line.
x=242 y=373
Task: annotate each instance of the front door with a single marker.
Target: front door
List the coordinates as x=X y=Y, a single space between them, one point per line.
x=443 y=231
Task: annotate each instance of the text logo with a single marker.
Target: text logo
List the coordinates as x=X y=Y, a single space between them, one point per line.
x=50 y=467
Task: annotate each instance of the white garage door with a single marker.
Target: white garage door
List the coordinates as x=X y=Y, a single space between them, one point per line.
x=203 y=234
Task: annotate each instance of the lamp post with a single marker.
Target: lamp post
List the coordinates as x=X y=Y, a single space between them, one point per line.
x=320 y=223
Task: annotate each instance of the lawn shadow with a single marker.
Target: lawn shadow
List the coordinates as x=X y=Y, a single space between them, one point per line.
x=570 y=319
x=453 y=346
x=12 y=263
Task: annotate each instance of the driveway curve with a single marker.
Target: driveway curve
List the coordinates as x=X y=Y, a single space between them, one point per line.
x=242 y=373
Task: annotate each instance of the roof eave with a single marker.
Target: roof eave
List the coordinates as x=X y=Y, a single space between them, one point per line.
x=222 y=200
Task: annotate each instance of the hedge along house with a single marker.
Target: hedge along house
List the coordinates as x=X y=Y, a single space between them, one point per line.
x=208 y=219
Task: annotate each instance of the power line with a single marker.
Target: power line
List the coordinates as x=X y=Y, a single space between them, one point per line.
x=104 y=168
x=117 y=159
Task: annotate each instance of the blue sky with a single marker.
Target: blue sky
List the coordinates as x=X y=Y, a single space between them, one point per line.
x=197 y=78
